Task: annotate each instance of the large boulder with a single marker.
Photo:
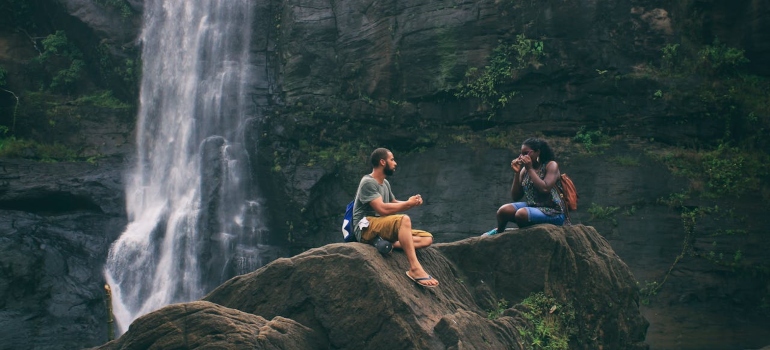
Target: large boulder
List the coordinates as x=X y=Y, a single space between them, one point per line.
x=348 y=296
x=204 y=325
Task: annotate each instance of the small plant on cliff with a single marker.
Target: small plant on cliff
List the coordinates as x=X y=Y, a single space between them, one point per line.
x=487 y=84
x=553 y=322
x=719 y=58
x=592 y=141
x=121 y=5
x=599 y=212
x=63 y=60
x=729 y=171
x=104 y=99
x=502 y=304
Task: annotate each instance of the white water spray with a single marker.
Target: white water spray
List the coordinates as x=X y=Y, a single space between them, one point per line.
x=193 y=221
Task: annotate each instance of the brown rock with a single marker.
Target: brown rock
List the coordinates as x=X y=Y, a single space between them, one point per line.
x=204 y=325
x=357 y=299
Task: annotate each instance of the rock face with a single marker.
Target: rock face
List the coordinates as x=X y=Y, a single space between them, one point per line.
x=57 y=221
x=347 y=296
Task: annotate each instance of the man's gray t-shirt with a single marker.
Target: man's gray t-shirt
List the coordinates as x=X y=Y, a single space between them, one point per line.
x=368 y=190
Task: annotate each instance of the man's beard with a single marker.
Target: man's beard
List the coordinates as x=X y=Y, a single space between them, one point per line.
x=389 y=171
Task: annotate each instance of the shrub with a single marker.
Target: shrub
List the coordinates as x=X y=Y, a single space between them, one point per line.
x=554 y=323
x=486 y=84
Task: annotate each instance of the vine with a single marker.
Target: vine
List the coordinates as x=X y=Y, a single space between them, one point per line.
x=486 y=84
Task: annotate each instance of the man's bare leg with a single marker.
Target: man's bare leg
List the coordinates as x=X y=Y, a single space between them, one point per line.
x=407 y=244
x=419 y=242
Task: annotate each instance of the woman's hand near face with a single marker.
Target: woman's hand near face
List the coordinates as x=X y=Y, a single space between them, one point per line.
x=516 y=165
x=526 y=161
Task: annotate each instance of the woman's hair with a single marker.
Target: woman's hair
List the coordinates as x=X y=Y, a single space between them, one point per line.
x=536 y=144
x=380 y=153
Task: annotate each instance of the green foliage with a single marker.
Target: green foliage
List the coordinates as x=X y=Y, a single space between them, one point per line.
x=719 y=58
x=63 y=60
x=675 y=200
x=603 y=213
x=66 y=78
x=593 y=141
x=3 y=74
x=709 y=80
x=554 y=323
x=502 y=304
x=670 y=58
x=120 y=5
x=486 y=84
x=103 y=99
x=625 y=160
x=646 y=292
x=723 y=171
x=114 y=66
x=11 y=147
x=730 y=172
x=57 y=45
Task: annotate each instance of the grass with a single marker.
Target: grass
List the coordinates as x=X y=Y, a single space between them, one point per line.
x=11 y=147
x=553 y=323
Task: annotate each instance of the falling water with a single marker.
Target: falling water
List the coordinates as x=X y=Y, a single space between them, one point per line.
x=193 y=217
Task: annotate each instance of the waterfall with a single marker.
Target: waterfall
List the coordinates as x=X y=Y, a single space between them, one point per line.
x=194 y=219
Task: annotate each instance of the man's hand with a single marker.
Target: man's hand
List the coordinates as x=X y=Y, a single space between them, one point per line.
x=415 y=200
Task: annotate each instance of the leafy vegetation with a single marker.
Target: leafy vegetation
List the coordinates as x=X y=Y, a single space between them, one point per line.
x=63 y=61
x=488 y=84
x=103 y=99
x=11 y=147
x=554 y=323
x=121 y=5
x=126 y=70
x=502 y=304
x=592 y=141
x=603 y=213
x=723 y=171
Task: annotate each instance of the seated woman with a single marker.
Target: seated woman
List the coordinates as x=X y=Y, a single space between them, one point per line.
x=535 y=196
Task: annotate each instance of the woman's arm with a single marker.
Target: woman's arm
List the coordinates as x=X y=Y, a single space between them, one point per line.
x=516 y=191
x=551 y=175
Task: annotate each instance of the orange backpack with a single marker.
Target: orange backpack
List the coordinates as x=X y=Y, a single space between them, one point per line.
x=568 y=192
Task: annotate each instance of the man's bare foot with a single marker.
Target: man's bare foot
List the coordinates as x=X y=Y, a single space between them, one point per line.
x=422 y=278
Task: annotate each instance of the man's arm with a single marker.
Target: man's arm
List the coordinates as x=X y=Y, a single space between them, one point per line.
x=383 y=208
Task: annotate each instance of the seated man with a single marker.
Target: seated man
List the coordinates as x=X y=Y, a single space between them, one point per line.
x=375 y=214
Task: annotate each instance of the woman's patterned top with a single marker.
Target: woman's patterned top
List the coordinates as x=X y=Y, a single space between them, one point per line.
x=549 y=203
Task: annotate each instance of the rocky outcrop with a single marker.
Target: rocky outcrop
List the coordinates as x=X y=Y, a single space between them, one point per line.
x=57 y=221
x=204 y=325
x=347 y=296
